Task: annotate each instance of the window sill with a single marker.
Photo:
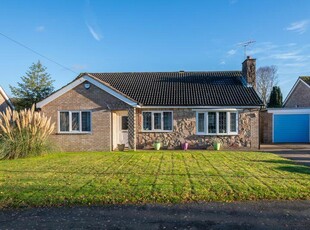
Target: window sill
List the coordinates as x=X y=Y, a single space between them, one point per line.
x=156 y=131
x=73 y=133
x=216 y=134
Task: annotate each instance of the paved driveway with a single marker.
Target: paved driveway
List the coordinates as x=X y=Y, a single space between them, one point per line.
x=298 y=153
x=237 y=215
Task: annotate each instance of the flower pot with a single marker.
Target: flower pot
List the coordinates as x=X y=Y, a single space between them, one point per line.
x=185 y=146
x=217 y=146
x=157 y=145
x=121 y=147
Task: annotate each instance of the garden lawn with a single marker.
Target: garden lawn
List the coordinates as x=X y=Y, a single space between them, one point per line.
x=149 y=177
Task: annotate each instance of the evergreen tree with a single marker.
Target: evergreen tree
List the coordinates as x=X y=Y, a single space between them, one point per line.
x=35 y=86
x=275 y=100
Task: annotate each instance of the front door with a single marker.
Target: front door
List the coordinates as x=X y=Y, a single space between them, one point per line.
x=120 y=128
x=123 y=132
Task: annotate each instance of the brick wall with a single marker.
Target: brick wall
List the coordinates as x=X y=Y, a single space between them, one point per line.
x=184 y=129
x=94 y=99
x=300 y=97
x=266 y=127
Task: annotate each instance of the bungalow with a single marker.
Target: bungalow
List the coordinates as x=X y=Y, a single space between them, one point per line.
x=5 y=101
x=98 y=111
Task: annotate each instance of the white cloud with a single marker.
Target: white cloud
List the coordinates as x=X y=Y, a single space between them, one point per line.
x=292 y=60
x=233 y=2
x=95 y=34
x=222 y=62
x=79 y=67
x=40 y=28
x=298 y=27
x=231 y=52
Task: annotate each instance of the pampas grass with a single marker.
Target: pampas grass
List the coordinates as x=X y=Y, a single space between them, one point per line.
x=23 y=133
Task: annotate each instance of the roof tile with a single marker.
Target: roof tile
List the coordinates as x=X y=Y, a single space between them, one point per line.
x=219 y=88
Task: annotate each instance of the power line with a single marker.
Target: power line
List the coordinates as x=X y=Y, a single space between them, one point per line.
x=32 y=50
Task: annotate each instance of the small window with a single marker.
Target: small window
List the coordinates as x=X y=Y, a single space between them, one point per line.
x=86 y=121
x=157 y=121
x=222 y=122
x=212 y=122
x=74 y=121
x=147 y=121
x=167 y=120
x=201 y=122
x=233 y=122
x=124 y=122
x=64 y=121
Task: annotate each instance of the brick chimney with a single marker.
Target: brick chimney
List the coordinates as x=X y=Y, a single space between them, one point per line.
x=249 y=71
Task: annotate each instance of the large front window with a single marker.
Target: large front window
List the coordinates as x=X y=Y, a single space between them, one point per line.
x=157 y=121
x=74 y=121
x=217 y=123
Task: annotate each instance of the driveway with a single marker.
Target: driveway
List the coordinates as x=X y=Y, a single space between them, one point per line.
x=237 y=215
x=298 y=153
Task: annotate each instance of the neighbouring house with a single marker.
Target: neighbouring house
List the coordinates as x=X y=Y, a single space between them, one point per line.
x=290 y=124
x=5 y=101
x=98 y=111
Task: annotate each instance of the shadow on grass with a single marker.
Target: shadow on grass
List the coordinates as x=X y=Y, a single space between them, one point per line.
x=276 y=161
x=295 y=169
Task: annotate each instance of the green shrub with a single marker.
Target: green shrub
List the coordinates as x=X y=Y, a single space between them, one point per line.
x=23 y=133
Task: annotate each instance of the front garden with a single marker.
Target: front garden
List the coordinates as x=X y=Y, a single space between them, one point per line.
x=149 y=177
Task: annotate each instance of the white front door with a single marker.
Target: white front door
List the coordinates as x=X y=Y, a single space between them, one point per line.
x=120 y=128
x=123 y=132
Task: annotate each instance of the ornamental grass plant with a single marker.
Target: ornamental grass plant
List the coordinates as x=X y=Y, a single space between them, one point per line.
x=24 y=133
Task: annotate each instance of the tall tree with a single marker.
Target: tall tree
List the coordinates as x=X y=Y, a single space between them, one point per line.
x=266 y=78
x=276 y=99
x=35 y=86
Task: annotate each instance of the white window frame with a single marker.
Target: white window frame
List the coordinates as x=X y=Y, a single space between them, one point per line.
x=162 y=121
x=70 y=121
x=217 y=133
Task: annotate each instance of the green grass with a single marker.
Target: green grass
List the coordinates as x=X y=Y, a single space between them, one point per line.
x=149 y=177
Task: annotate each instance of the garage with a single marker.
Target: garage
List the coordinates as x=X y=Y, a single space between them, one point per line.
x=291 y=128
x=290 y=125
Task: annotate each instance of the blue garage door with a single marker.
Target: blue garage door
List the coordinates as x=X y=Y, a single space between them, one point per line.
x=292 y=128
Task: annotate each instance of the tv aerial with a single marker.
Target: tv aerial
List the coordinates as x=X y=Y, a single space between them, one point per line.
x=245 y=45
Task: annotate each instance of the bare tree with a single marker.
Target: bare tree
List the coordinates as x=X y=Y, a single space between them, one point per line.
x=266 y=78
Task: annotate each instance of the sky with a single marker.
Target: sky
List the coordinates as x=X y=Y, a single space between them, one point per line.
x=75 y=36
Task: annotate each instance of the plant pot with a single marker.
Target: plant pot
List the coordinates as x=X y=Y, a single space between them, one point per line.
x=157 y=145
x=121 y=147
x=185 y=146
x=217 y=146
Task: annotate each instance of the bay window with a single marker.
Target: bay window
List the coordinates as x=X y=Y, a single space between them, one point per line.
x=157 y=121
x=74 y=121
x=217 y=123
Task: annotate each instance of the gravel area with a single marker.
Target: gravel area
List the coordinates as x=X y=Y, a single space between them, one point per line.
x=237 y=215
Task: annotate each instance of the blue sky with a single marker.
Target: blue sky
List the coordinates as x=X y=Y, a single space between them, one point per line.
x=161 y=35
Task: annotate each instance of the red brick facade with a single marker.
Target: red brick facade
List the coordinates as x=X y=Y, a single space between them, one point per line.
x=100 y=104
x=300 y=97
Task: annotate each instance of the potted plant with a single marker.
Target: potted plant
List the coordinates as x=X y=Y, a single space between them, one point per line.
x=157 y=144
x=185 y=145
x=121 y=147
x=216 y=144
